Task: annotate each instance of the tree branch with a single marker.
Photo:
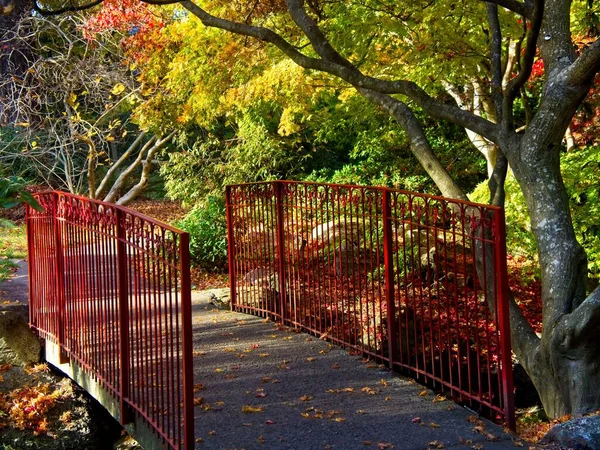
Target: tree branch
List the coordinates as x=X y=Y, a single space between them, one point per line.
x=419 y=144
x=524 y=9
x=495 y=57
x=586 y=66
x=583 y=323
x=514 y=87
x=104 y=184
x=136 y=190
x=353 y=76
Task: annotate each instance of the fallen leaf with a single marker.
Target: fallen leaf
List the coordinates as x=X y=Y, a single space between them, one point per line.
x=416 y=420
x=270 y=422
x=383 y=382
x=339 y=419
x=368 y=390
x=360 y=411
x=423 y=393
x=246 y=424
x=266 y=379
x=249 y=409
x=434 y=425
x=310 y=359
x=212 y=432
x=306 y=398
x=384 y=445
x=198 y=401
x=335 y=366
x=261 y=440
x=436 y=444
x=491 y=437
x=198 y=387
x=367 y=443
x=219 y=370
x=264 y=355
x=388 y=398
x=199 y=440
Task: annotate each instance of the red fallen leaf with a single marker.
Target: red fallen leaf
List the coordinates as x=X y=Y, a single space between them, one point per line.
x=255 y=346
x=416 y=420
x=270 y=422
x=260 y=394
x=384 y=445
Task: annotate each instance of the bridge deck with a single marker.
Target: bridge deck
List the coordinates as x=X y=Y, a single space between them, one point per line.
x=309 y=394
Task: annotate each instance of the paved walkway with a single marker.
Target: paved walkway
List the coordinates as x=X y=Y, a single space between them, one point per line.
x=265 y=387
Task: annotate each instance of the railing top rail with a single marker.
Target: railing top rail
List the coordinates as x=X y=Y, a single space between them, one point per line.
x=375 y=188
x=125 y=209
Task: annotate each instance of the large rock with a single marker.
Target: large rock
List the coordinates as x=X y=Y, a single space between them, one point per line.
x=19 y=346
x=577 y=434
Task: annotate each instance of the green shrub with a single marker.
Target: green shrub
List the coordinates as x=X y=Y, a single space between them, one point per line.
x=580 y=170
x=208 y=234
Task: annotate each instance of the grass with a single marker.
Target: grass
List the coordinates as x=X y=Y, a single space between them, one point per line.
x=13 y=245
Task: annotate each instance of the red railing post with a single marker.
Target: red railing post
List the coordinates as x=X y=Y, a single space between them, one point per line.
x=187 y=337
x=388 y=258
x=278 y=186
x=59 y=293
x=30 y=265
x=504 y=318
x=230 y=248
x=123 y=290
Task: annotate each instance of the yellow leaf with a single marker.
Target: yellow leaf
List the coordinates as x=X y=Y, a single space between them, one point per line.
x=71 y=99
x=248 y=409
x=118 y=89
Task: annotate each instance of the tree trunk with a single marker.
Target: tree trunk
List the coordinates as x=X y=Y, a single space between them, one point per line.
x=566 y=366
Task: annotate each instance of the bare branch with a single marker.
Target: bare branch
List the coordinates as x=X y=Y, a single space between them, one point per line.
x=524 y=9
x=586 y=66
x=113 y=169
x=136 y=190
x=515 y=85
x=419 y=144
x=495 y=56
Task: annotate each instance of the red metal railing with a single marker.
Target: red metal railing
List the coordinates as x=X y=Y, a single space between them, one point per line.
x=416 y=281
x=111 y=287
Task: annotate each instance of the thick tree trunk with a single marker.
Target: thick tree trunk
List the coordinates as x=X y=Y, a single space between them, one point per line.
x=566 y=366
